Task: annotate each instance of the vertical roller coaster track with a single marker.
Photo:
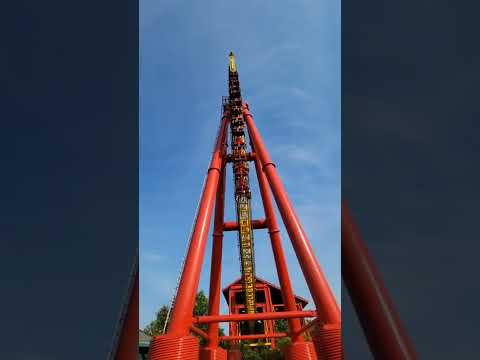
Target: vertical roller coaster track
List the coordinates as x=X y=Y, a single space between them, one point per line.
x=242 y=186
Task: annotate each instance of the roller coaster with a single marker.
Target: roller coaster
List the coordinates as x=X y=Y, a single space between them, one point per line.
x=242 y=187
x=375 y=311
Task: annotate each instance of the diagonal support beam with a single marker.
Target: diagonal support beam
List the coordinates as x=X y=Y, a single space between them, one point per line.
x=199 y=332
x=216 y=262
x=278 y=253
x=375 y=310
x=181 y=319
x=322 y=295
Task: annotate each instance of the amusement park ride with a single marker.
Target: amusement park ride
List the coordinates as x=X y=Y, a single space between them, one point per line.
x=252 y=301
x=178 y=343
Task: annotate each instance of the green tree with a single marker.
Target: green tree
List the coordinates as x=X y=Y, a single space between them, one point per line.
x=201 y=309
x=201 y=305
x=248 y=353
x=155 y=327
x=281 y=325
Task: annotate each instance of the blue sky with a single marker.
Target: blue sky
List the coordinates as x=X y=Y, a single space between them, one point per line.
x=288 y=56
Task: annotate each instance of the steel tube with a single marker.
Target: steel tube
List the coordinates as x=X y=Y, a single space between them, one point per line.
x=256 y=316
x=278 y=253
x=380 y=322
x=307 y=327
x=216 y=262
x=253 y=337
x=250 y=157
x=126 y=349
x=181 y=317
x=256 y=224
x=199 y=332
x=322 y=295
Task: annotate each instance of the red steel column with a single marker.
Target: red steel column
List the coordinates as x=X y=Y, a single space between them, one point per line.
x=375 y=310
x=319 y=288
x=212 y=350
x=181 y=319
x=128 y=345
x=178 y=343
x=269 y=324
x=328 y=338
x=234 y=352
x=278 y=253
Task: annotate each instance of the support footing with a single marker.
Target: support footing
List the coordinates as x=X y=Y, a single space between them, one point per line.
x=300 y=351
x=166 y=347
x=328 y=342
x=213 y=354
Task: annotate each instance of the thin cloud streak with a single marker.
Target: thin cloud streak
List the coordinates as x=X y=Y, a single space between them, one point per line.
x=291 y=80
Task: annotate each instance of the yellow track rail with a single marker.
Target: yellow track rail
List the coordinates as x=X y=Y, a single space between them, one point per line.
x=246 y=252
x=242 y=187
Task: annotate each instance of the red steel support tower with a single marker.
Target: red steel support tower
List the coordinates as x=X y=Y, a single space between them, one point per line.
x=125 y=342
x=380 y=322
x=178 y=343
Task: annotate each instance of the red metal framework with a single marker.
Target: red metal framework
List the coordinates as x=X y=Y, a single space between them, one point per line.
x=178 y=343
x=384 y=332
x=125 y=343
x=381 y=324
x=269 y=300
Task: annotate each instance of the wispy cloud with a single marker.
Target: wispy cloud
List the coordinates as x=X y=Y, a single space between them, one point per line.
x=299 y=93
x=289 y=77
x=304 y=155
x=153 y=256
